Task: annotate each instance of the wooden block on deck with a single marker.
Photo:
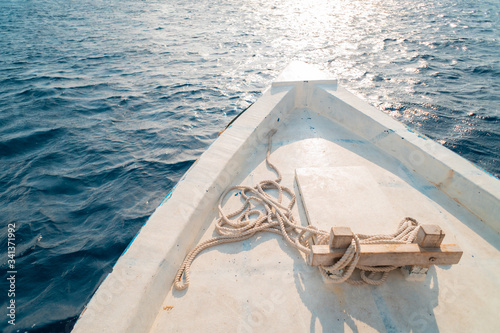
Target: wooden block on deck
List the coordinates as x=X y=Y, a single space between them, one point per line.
x=429 y=235
x=340 y=237
x=389 y=255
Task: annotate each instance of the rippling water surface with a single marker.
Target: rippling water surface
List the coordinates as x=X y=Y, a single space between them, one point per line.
x=105 y=104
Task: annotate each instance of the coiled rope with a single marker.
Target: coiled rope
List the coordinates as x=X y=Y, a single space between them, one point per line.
x=249 y=219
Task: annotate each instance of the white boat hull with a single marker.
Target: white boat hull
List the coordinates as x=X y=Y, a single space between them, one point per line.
x=381 y=171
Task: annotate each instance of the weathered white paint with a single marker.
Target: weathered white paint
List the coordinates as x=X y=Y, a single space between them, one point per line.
x=261 y=284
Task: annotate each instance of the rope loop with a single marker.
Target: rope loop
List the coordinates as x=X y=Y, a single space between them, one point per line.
x=250 y=219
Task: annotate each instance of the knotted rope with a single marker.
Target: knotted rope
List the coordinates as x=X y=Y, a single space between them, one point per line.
x=342 y=270
x=249 y=219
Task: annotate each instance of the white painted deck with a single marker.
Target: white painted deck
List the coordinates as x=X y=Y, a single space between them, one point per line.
x=357 y=168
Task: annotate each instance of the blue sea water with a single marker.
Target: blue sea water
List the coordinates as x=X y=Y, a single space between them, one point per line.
x=105 y=104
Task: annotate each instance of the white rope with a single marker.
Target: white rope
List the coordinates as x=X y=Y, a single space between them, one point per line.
x=249 y=220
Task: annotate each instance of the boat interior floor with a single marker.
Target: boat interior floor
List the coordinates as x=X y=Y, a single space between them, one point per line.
x=261 y=283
